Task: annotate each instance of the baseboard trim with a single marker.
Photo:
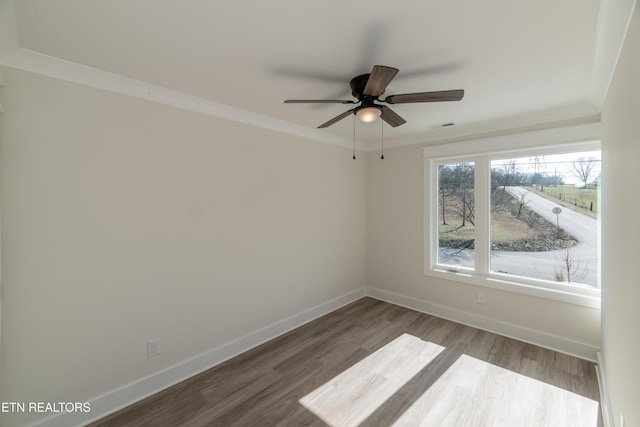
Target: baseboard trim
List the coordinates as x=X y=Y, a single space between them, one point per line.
x=603 y=388
x=131 y=393
x=542 y=339
x=120 y=398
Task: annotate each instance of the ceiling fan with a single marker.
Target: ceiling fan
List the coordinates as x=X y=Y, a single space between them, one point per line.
x=368 y=88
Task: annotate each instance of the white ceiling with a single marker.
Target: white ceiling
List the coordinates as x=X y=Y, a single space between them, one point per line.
x=511 y=57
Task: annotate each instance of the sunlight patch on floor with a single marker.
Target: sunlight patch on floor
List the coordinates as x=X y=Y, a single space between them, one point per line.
x=349 y=398
x=476 y=393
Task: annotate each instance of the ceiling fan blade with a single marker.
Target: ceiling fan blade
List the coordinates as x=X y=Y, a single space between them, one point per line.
x=379 y=78
x=444 y=95
x=319 y=101
x=391 y=117
x=336 y=119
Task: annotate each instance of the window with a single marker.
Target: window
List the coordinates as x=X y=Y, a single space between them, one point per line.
x=456 y=237
x=521 y=216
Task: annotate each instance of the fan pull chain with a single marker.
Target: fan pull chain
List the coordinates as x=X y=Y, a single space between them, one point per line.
x=382 y=137
x=354 y=137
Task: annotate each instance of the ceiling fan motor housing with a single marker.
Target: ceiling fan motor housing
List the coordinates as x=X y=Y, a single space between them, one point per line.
x=358 y=84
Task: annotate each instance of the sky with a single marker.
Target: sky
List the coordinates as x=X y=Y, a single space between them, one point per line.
x=560 y=164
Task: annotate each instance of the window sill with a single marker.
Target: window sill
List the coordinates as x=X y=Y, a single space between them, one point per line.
x=585 y=296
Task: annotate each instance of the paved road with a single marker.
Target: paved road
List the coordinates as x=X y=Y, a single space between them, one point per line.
x=541 y=264
x=582 y=227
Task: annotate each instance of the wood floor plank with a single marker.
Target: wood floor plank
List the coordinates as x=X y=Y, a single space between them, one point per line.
x=371 y=354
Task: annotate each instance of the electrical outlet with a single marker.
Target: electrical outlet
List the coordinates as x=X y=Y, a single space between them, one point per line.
x=481 y=299
x=153 y=348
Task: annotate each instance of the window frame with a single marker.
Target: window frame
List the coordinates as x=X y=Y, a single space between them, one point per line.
x=481 y=152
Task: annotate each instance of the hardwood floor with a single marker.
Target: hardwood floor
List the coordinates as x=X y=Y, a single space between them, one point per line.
x=376 y=364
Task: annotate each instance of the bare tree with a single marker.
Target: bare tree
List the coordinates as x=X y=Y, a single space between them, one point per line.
x=582 y=168
x=568 y=268
x=456 y=183
x=507 y=177
x=468 y=206
x=522 y=202
x=444 y=208
x=444 y=180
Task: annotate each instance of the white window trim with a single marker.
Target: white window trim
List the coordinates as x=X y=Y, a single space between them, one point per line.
x=551 y=141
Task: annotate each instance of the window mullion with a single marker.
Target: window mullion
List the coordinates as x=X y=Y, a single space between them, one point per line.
x=482 y=214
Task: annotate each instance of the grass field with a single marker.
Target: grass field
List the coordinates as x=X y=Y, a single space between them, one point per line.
x=583 y=200
x=504 y=228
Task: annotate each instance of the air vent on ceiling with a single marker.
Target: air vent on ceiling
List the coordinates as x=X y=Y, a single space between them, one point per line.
x=441 y=125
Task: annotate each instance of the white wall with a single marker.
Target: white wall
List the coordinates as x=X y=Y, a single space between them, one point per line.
x=395 y=265
x=621 y=231
x=125 y=220
x=8 y=27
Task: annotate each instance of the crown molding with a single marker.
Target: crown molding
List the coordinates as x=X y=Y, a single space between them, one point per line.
x=38 y=63
x=34 y=62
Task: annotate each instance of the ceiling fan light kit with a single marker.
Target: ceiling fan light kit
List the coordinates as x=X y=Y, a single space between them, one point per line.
x=368 y=114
